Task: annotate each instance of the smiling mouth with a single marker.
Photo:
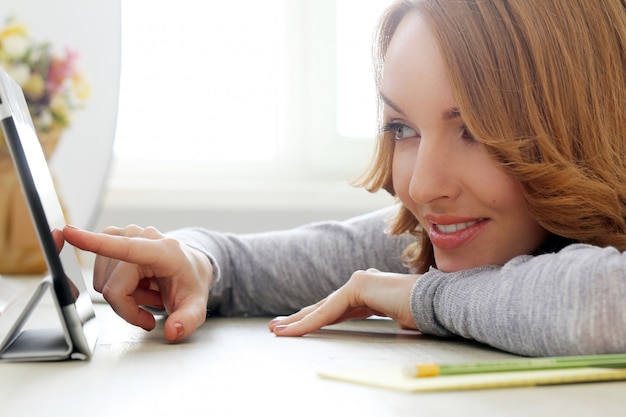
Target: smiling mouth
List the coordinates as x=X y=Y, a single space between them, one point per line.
x=455 y=227
x=453 y=236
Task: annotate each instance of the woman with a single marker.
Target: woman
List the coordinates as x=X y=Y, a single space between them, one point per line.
x=503 y=139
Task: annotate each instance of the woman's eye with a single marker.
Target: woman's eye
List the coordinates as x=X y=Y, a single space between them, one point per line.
x=467 y=135
x=400 y=131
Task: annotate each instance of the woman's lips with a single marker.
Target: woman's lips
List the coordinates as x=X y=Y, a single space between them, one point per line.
x=451 y=235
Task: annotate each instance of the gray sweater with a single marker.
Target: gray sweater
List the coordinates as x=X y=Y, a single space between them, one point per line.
x=571 y=302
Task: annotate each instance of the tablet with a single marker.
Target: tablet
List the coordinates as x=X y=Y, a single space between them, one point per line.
x=75 y=337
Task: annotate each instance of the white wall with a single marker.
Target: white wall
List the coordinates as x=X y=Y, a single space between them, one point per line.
x=240 y=208
x=91 y=27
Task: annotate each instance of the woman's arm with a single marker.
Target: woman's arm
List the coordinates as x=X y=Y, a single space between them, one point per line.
x=277 y=273
x=572 y=302
x=258 y=274
x=567 y=303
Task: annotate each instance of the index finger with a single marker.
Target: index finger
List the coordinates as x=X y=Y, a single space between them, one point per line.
x=134 y=250
x=327 y=311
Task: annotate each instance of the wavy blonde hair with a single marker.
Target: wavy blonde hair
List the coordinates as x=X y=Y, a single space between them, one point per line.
x=542 y=85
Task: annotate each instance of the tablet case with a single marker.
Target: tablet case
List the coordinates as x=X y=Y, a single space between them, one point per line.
x=76 y=337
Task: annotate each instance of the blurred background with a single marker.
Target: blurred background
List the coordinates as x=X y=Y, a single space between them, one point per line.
x=238 y=116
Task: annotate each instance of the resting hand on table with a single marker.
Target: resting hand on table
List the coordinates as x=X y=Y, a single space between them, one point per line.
x=367 y=293
x=142 y=267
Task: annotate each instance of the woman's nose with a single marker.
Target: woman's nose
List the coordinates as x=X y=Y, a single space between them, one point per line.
x=435 y=173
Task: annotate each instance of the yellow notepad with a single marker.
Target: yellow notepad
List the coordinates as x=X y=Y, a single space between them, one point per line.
x=394 y=378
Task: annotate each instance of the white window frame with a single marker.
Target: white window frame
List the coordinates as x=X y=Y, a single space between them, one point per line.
x=314 y=162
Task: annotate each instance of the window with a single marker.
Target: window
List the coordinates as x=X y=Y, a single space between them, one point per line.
x=356 y=107
x=246 y=90
x=200 y=81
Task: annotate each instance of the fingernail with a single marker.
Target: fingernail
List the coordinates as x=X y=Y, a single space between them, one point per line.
x=275 y=321
x=280 y=328
x=71 y=226
x=180 y=331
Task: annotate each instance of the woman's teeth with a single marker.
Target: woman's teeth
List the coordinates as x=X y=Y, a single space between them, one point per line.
x=452 y=228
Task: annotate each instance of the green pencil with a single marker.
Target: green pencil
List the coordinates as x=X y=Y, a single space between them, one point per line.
x=523 y=364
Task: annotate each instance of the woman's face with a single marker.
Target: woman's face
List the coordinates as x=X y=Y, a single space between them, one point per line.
x=473 y=213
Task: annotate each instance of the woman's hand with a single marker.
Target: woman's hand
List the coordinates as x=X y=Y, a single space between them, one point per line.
x=142 y=267
x=367 y=293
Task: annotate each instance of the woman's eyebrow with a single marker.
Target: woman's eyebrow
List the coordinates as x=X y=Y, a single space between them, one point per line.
x=390 y=103
x=450 y=114
x=453 y=113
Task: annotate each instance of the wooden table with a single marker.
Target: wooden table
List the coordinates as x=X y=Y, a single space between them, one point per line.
x=236 y=367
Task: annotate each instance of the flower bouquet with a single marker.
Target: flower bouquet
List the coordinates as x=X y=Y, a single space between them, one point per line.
x=54 y=87
x=53 y=84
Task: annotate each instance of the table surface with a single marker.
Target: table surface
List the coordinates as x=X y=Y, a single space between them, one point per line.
x=235 y=366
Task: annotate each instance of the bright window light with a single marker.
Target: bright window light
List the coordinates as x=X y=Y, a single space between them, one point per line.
x=200 y=80
x=356 y=90
x=205 y=80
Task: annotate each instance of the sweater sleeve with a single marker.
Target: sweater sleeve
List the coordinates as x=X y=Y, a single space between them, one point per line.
x=567 y=303
x=280 y=272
